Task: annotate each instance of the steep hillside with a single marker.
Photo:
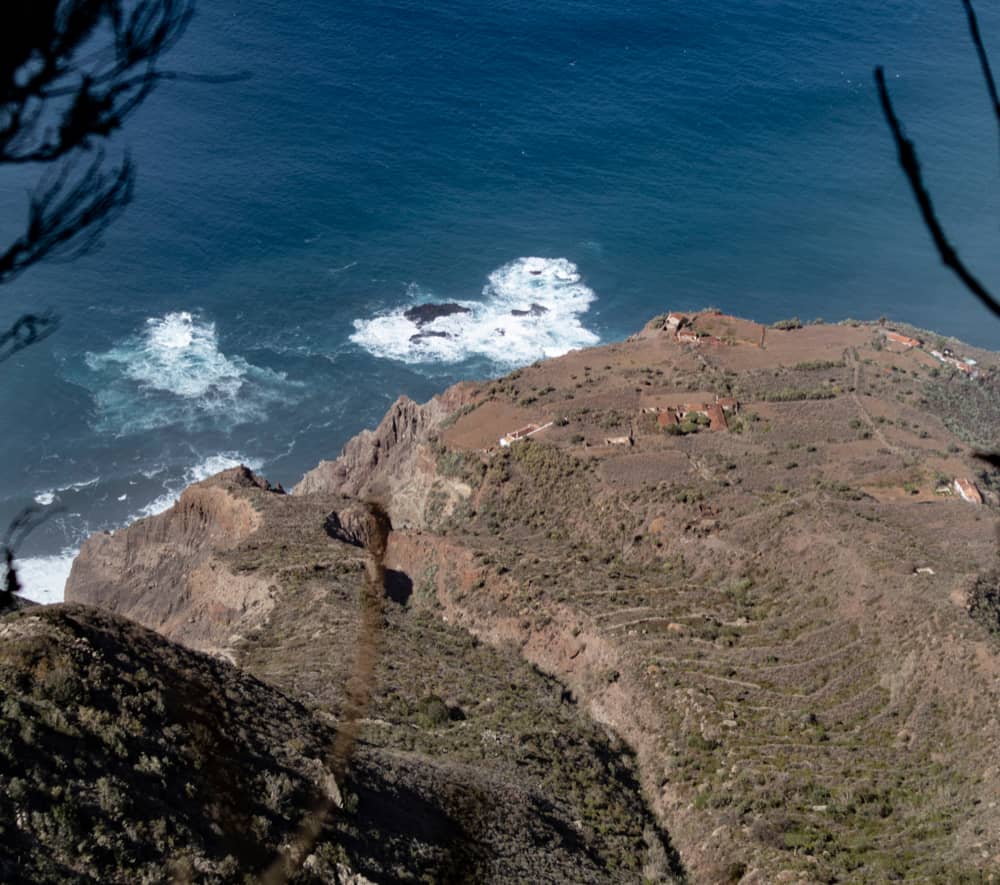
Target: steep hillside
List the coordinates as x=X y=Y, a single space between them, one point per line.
x=128 y=758
x=742 y=550
x=526 y=785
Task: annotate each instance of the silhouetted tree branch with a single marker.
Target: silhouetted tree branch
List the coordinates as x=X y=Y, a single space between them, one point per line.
x=68 y=212
x=71 y=71
x=27 y=330
x=984 y=61
x=911 y=167
x=29 y=519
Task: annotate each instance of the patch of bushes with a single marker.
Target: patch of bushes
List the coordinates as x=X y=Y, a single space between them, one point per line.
x=432 y=712
x=818 y=365
x=793 y=394
x=984 y=602
x=787 y=325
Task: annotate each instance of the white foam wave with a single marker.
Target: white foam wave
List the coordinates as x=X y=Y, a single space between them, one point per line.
x=44 y=577
x=203 y=470
x=48 y=496
x=531 y=308
x=173 y=372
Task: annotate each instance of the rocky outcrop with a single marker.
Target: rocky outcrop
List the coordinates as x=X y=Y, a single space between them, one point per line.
x=423 y=314
x=161 y=571
x=395 y=463
x=358 y=526
x=125 y=757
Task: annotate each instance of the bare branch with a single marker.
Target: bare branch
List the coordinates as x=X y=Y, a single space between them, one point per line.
x=984 y=60
x=29 y=519
x=27 y=330
x=68 y=212
x=56 y=94
x=911 y=167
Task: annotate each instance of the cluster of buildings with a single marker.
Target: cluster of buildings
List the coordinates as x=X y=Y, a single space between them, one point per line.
x=966 y=366
x=715 y=412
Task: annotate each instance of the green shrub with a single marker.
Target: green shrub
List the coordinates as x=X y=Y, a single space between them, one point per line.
x=793 y=394
x=785 y=325
x=432 y=712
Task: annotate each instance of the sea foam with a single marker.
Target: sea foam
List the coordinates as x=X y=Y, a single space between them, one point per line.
x=203 y=470
x=173 y=372
x=530 y=309
x=44 y=577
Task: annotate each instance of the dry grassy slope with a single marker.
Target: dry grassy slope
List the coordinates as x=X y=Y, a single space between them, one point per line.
x=743 y=607
x=496 y=776
x=126 y=758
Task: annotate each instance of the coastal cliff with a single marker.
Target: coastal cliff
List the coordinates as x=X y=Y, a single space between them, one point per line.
x=733 y=569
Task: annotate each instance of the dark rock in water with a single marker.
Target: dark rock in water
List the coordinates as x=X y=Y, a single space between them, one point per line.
x=423 y=314
x=432 y=334
x=536 y=310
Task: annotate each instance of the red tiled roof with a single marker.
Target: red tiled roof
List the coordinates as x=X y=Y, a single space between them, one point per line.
x=900 y=338
x=716 y=417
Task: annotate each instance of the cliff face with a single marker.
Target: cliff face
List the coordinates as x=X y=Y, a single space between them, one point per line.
x=395 y=463
x=739 y=554
x=159 y=573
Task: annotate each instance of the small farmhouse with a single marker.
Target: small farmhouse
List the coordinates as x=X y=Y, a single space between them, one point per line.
x=967 y=491
x=966 y=366
x=716 y=417
x=901 y=339
x=671 y=409
x=522 y=433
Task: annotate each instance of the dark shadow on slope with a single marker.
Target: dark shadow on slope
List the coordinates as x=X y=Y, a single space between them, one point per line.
x=398 y=586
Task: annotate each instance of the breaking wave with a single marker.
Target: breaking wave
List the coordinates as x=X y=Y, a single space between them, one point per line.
x=44 y=577
x=173 y=372
x=203 y=470
x=530 y=309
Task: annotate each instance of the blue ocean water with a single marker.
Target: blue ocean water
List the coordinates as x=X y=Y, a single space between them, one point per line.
x=606 y=160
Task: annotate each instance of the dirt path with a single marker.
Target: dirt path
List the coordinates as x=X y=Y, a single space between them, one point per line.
x=852 y=358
